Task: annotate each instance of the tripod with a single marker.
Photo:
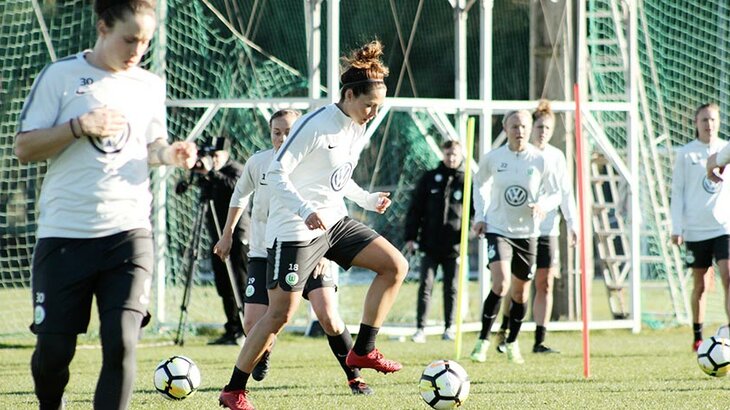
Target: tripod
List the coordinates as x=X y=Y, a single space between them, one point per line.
x=191 y=253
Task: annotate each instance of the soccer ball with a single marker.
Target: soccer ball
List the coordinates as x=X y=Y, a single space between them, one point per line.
x=444 y=384
x=177 y=377
x=713 y=356
x=723 y=332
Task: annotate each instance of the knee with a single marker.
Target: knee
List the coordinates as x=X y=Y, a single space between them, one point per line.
x=332 y=326
x=277 y=318
x=248 y=324
x=53 y=353
x=396 y=269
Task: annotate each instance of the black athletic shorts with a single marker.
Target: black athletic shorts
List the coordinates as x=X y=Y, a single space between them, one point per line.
x=699 y=254
x=292 y=263
x=256 y=291
x=67 y=273
x=520 y=252
x=548 y=254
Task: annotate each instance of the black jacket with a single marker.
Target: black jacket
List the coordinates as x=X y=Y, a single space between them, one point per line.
x=218 y=186
x=434 y=217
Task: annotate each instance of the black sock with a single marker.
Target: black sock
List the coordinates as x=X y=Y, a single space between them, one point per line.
x=540 y=332
x=365 y=342
x=505 y=323
x=516 y=314
x=238 y=381
x=489 y=313
x=697 y=329
x=341 y=345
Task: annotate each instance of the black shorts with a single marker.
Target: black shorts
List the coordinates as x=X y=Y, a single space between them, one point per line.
x=67 y=273
x=256 y=291
x=291 y=263
x=699 y=254
x=548 y=253
x=520 y=252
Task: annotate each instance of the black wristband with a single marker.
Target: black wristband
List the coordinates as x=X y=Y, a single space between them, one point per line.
x=73 y=131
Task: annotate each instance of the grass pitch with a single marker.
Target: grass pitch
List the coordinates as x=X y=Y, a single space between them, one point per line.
x=652 y=370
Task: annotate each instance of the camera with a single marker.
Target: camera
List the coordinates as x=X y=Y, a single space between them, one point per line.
x=203 y=164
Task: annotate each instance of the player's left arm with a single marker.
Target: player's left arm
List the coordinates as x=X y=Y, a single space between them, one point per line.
x=375 y=201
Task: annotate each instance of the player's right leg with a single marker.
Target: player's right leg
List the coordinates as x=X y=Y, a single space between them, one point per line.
x=699 y=258
x=63 y=274
x=500 y=255
x=255 y=303
x=288 y=268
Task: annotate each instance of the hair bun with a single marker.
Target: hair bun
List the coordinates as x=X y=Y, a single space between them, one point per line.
x=367 y=58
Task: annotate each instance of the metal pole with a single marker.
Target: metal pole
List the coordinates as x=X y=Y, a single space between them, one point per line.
x=634 y=135
x=485 y=118
x=333 y=49
x=460 y=17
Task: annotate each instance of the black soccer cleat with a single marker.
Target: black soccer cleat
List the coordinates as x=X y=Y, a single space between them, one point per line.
x=358 y=386
x=541 y=348
x=262 y=368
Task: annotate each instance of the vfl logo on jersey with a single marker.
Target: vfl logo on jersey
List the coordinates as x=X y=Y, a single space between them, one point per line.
x=339 y=178
x=710 y=186
x=515 y=195
x=690 y=258
x=112 y=145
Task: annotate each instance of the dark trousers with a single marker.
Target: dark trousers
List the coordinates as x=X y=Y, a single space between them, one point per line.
x=429 y=265
x=239 y=262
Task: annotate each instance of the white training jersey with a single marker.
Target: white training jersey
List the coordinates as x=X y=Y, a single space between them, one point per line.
x=550 y=226
x=506 y=184
x=312 y=172
x=723 y=156
x=96 y=187
x=699 y=207
x=253 y=181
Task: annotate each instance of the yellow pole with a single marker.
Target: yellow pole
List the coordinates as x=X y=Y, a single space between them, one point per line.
x=463 y=245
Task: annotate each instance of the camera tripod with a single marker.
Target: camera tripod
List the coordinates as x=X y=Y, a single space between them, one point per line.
x=191 y=254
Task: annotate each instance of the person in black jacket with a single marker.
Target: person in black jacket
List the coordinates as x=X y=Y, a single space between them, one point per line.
x=219 y=174
x=433 y=226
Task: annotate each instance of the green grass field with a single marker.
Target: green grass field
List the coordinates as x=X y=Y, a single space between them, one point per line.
x=651 y=370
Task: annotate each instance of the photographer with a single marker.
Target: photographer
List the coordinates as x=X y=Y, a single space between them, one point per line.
x=218 y=174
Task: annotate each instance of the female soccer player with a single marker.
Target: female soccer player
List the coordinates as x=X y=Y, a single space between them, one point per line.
x=320 y=288
x=98 y=120
x=547 y=244
x=514 y=190
x=699 y=209
x=307 y=221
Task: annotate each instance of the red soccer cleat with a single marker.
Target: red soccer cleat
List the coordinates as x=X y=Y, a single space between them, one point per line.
x=696 y=345
x=373 y=360
x=235 y=399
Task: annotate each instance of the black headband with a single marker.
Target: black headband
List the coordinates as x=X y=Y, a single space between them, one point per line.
x=358 y=82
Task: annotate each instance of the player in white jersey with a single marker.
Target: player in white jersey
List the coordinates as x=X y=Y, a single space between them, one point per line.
x=99 y=121
x=700 y=217
x=308 y=220
x=548 y=257
x=513 y=191
x=320 y=288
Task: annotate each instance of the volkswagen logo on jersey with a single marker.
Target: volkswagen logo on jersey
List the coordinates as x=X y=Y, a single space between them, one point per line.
x=111 y=145
x=339 y=178
x=515 y=195
x=710 y=186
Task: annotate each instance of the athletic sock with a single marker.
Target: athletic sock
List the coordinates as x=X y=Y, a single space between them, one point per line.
x=489 y=313
x=697 y=330
x=341 y=345
x=516 y=314
x=238 y=381
x=540 y=332
x=365 y=342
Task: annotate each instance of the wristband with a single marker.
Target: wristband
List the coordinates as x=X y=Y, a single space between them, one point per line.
x=73 y=130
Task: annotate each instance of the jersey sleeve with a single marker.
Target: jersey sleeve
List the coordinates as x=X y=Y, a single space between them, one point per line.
x=723 y=156
x=43 y=104
x=300 y=143
x=549 y=196
x=676 y=205
x=366 y=200
x=482 y=189
x=157 y=127
x=567 y=203
x=244 y=187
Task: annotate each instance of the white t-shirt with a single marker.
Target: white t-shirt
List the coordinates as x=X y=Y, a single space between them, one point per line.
x=312 y=172
x=723 y=157
x=96 y=187
x=550 y=226
x=700 y=208
x=506 y=184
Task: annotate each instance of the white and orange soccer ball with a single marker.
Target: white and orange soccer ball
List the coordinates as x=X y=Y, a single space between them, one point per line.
x=444 y=384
